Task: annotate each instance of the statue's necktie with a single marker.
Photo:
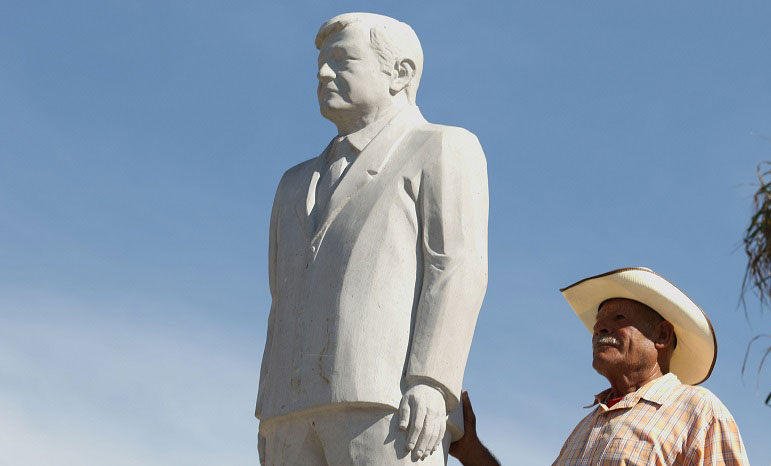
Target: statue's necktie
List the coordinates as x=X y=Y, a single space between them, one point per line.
x=341 y=156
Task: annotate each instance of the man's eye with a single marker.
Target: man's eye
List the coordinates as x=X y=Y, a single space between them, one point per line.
x=619 y=316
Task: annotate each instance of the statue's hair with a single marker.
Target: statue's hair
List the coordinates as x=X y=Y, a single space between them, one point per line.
x=391 y=40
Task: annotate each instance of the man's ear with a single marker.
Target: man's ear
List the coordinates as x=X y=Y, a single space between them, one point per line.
x=404 y=71
x=664 y=335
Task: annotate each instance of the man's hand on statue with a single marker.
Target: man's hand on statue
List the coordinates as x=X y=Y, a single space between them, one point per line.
x=423 y=411
x=469 y=449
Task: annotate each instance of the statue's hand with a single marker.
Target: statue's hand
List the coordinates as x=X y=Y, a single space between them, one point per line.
x=423 y=410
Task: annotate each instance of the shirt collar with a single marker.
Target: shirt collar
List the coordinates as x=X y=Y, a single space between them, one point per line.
x=360 y=139
x=655 y=391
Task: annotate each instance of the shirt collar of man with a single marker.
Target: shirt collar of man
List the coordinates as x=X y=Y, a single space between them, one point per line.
x=360 y=139
x=655 y=391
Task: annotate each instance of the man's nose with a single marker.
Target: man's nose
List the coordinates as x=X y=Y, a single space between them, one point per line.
x=325 y=73
x=600 y=327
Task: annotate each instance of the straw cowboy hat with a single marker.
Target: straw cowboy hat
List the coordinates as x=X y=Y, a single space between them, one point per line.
x=696 y=351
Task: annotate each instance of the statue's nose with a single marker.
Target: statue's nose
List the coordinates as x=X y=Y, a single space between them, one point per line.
x=325 y=73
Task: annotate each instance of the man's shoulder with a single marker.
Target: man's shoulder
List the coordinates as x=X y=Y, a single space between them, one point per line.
x=702 y=401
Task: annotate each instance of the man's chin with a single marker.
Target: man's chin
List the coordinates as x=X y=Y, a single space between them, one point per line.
x=602 y=363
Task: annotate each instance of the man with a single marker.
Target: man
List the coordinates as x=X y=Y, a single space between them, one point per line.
x=378 y=266
x=654 y=345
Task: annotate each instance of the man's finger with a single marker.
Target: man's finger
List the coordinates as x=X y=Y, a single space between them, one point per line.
x=468 y=412
x=416 y=427
x=404 y=413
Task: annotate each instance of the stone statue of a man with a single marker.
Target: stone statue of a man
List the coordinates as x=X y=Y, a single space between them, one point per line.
x=378 y=266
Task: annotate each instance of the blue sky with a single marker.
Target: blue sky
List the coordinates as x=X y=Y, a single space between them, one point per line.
x=140 y=147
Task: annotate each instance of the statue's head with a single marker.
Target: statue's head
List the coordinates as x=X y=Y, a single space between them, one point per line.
x=366 y=62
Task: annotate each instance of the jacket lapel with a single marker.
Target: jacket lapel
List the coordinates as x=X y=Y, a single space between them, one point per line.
x=367 y=165
x=304 y=204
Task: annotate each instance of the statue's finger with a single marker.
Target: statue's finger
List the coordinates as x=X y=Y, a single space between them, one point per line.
x=416 y=427
x=422 y=440
x=404 y=413
x=431 y=439
x=440 y=437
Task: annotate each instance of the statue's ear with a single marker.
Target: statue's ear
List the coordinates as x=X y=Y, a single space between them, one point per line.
x=404 y=71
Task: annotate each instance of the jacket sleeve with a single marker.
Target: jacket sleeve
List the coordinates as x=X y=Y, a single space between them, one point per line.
x=272 y=280
x=453 y=209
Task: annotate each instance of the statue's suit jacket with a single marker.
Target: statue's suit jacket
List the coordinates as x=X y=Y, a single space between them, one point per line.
x=383 y=288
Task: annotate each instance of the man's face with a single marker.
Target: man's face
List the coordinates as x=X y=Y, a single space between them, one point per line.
x=352 y=83
x=622 y=340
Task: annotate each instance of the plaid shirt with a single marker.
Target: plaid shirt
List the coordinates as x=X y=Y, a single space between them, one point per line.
x=662 y=423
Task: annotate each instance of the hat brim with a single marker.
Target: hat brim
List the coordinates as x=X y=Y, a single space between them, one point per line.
x=694 y=357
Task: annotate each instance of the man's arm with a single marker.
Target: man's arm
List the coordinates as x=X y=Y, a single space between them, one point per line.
x=469 y=449
x=719 y=442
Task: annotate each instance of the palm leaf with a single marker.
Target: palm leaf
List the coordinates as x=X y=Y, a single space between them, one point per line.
x=757 y=246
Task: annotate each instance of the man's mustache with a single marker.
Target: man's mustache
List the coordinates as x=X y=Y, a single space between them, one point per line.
x=605 y=340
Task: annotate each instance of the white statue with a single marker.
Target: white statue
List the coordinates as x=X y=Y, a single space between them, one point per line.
x=378 y=266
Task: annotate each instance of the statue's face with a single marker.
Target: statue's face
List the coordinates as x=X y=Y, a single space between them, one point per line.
x=352 y=82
